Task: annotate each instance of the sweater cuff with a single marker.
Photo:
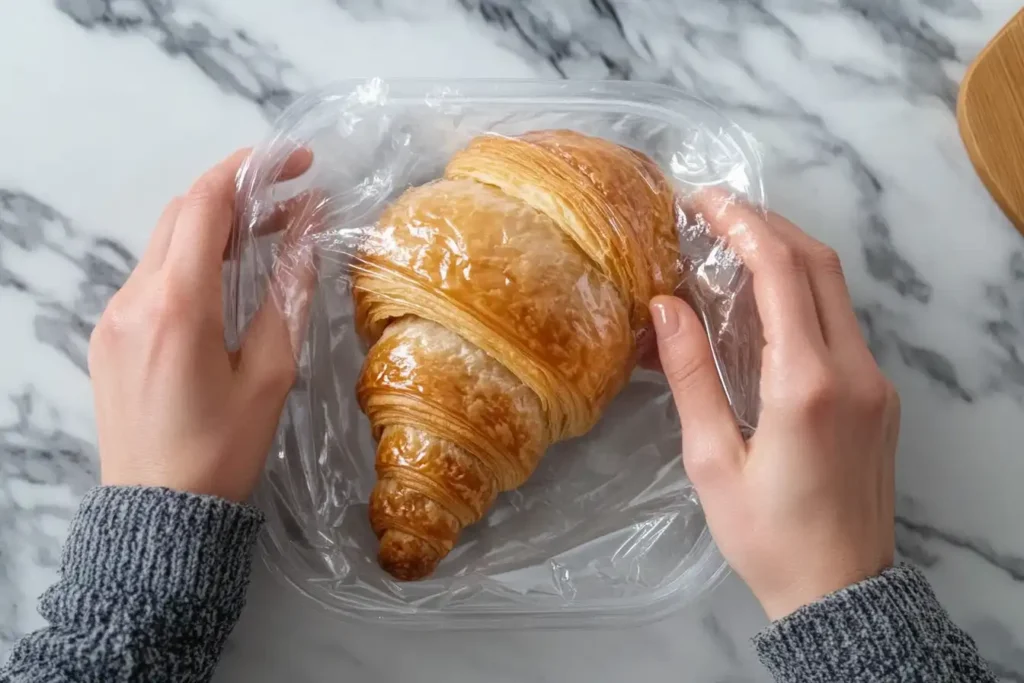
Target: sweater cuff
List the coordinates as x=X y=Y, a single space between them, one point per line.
x=158 y=541
x=873 y=627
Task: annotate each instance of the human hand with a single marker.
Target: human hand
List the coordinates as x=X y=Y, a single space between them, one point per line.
x=173 y=407
x=806 y=507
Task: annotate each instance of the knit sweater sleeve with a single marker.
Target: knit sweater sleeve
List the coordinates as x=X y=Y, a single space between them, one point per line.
x=151 y=583
x=889 y=628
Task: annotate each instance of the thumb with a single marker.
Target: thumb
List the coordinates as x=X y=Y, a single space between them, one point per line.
x=711 y=440
x=275 y=336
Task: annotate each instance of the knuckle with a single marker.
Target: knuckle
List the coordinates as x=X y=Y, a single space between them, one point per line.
x=107 y=325
x=100 y=338
x=164 y=306
x=108 y=332
x=684 y=370
x=174 y=206
x=277 y=376
x=702 y=465
x=875 y=394
x=827 y=259
x=167 y=306
x=201 y=191
x=817 y=391
x=100 y=334
x=206 y=194
x=787 y=258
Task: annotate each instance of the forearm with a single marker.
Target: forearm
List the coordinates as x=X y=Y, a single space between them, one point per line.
x=887 y=629
x=152 y=582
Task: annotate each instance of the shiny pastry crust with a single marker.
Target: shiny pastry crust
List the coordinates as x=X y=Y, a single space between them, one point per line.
x=501 y=303
x=509 y=281
x=421 y=374
x=614 y=202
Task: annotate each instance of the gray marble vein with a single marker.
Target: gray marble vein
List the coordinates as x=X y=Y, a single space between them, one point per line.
x=927 y=546
x=593 y=39
x=721 y=638
x=230 y=57
x=852 y=102
x=586 y=33
x=881 y=328
x=36 y=455
x=1005 y=324
x=102 y=264
x=1011 y=564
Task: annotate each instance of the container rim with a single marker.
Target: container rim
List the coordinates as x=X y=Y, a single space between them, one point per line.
x=655 y=101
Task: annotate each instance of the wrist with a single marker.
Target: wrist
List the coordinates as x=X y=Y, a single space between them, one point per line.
x=182 y=479
x=806 y=588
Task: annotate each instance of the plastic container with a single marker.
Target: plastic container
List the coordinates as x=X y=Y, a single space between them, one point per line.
x=608 y=530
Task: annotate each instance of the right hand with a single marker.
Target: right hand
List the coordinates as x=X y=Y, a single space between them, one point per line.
x=806 y=507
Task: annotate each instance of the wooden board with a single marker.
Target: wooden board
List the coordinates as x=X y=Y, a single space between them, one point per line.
x=991 y=115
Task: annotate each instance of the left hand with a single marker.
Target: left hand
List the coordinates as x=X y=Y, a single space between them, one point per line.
x=174 y=408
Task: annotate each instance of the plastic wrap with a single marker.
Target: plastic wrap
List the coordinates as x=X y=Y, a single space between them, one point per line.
x=492 y=246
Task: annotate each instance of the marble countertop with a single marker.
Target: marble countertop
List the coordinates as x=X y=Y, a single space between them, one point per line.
x=112 y=106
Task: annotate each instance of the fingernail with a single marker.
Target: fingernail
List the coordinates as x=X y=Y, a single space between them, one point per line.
x=666 y=320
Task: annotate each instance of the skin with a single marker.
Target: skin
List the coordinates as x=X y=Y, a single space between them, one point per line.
x=174 y=407
x=804 y=508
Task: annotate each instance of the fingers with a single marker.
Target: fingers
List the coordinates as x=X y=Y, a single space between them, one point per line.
x=205 y=220
x=781 y=284
x=155 y=252
x=839 y=324
x=712 y=443
x=281 y=217
x=297 y=163
x=848 y=351
x=276 y=334
x=204 y=223
x=769 y=249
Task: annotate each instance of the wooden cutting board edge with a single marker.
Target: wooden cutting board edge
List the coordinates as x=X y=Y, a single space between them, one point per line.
x=981 y=164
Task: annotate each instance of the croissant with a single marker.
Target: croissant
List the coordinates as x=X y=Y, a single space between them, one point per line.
x=502 y=303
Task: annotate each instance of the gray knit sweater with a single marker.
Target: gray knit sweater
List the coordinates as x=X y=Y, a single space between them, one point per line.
x=152 y=582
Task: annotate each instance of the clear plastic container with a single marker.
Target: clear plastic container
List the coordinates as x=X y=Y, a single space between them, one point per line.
x=607 y=530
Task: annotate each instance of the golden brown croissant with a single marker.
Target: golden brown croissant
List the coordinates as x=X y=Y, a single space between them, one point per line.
x=502 y=304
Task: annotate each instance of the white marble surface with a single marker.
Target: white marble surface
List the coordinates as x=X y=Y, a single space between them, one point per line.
x=111 y=106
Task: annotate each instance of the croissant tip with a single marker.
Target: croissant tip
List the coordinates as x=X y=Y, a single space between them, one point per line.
x=406 y=557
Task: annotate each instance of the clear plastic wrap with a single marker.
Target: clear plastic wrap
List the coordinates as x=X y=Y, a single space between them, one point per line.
x=492 y=246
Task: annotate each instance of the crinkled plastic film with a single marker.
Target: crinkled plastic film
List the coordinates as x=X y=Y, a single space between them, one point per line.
x=503 y=333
